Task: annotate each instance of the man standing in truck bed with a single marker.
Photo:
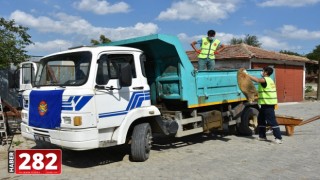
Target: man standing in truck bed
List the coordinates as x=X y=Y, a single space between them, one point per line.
x=209 y=47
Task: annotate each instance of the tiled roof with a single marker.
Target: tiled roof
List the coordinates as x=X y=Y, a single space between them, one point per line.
x=244 y=51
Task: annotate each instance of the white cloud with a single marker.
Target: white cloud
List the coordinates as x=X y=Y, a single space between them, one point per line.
x=199 y=10
x=57 y=7
x=248 y=22
x=44 y=48
x=184 y=38
x=80 y=30
x=74 y=25
x=292 y=32
x=291 y=3
x=268 y=43
x=101 y=6
x=223 y=37
x=274 y=44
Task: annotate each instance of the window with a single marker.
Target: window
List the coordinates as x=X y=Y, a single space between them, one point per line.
x=143 y=60
x=71 y=69
x=27 y=73
x=103 y=71
x=110 y=64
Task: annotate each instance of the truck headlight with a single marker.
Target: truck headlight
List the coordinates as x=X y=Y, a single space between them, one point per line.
x=67 y=120
x=24 y=116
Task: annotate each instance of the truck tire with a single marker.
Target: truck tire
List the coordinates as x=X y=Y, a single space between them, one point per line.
x=141 y=142
x=249 y=122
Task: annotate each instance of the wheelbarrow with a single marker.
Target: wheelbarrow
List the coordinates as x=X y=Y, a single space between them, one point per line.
x=291 y=122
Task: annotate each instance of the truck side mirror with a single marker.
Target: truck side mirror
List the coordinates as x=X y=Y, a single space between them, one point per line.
x=125 y=78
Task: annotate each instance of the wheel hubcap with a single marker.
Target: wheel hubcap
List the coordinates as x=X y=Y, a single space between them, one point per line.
x=253 y=122
x=149 y=141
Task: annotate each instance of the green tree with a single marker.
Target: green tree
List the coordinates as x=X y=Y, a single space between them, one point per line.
x=234 y=41
x=13 y=41
x=103 y=40
x=314 y=55
x=290 y=53
x=250 y=40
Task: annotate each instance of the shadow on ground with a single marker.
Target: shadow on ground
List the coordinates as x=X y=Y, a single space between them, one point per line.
x=102 y=156
x=162 y=143
x=88 y=158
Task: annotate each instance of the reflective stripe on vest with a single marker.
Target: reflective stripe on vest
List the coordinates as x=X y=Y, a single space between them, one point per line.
x=208 y=49
x=268 y=95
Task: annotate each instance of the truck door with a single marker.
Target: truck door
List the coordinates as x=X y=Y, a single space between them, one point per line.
x=27 y=74
x=112 y=101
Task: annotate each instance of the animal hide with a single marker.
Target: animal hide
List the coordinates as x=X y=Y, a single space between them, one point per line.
x=246 y=85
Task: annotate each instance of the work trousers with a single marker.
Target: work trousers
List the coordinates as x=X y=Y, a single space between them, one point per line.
x=267 y=116
x=206 y=64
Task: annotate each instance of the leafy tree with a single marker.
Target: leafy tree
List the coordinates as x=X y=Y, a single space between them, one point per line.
x=234 y=41
x=102 y=40
x=250 y=40
x=314 y=55
x=13 y=40
x=290 y=53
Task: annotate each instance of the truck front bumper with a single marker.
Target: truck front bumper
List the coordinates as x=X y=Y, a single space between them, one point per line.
x=80 y=139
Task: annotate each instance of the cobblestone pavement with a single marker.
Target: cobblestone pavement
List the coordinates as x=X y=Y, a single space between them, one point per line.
x=200 y=157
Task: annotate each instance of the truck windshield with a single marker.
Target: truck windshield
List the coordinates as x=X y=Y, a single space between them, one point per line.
x=71 y=69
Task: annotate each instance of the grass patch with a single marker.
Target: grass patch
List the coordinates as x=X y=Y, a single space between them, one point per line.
x=17 y=143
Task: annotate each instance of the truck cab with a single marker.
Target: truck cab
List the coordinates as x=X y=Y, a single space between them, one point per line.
x=97 y=86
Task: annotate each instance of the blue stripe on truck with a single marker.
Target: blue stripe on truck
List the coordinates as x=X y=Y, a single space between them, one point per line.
x=135 y=101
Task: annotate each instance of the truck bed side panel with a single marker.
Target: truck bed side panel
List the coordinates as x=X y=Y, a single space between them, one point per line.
x=171 y=75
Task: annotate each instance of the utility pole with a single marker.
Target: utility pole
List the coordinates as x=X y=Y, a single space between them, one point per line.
x=318 y=88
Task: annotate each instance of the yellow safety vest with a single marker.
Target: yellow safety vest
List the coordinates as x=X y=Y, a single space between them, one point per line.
x=208 y=49
x=268 y=95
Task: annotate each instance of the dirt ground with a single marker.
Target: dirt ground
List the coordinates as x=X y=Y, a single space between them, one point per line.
x=312 y=93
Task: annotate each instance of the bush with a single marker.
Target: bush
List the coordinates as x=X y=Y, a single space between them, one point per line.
x=308 y=89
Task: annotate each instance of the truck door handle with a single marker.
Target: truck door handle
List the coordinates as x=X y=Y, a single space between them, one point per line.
x=138 y=88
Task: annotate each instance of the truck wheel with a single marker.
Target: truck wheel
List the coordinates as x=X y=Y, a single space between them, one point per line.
x=249 y=122
x=141 y=142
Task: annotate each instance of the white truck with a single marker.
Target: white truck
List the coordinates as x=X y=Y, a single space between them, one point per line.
x=125 y=91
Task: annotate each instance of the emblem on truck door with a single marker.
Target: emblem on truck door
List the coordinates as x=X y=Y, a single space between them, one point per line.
x=42 y=108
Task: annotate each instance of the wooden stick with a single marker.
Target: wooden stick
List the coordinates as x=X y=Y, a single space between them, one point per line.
x=309 y=120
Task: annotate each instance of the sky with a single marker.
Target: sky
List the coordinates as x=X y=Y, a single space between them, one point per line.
x=56 y=25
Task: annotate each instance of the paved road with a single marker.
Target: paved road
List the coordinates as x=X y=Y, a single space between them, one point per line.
x=201 y=157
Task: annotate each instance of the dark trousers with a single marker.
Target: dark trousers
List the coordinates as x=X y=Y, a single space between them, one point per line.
x=267 y=116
